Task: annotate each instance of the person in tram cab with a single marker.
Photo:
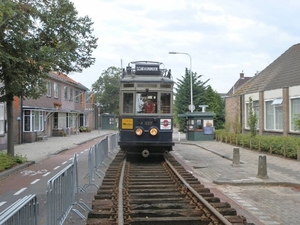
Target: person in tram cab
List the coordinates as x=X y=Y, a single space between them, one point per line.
x=149 y=106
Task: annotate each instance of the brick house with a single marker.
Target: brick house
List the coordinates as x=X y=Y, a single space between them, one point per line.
x=62 y=110
x=238 y=84
x=275 y=92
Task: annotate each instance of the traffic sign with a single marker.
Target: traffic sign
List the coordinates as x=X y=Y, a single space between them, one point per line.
x=191 y=108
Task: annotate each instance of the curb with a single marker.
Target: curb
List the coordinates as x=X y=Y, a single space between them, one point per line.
x=79 y=143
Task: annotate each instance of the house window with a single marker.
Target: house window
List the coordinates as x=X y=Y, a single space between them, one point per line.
x=255 y=108
x=81 y=97
x=111 y=121
x=2 y=119
x=66 y=92
x=59 y=120
x=77 y=96
x=71 y=95
x=71 y=120
x=49 y=89
x=273 y=115
x=33 y=120
x=55 y=87
x=67 y=119
x=295 y=111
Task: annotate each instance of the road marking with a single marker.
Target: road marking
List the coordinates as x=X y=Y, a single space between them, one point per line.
x=2 y=203
x=55 y=168
x=82 y=152
x=70 y=158
x=33 y=182
x=64 y=162
x=20 y=191
x=46 y=174
x=32 y=173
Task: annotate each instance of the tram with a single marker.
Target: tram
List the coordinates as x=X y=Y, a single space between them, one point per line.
x=146 y=109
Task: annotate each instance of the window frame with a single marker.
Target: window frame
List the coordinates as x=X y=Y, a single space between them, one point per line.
x=255 y=108
x=35 y=119
x=292 y=112
x=77 y=93
x=49 y=88
x=71 y=95
x=274 y=114
x=55 y=89
x=66 y=92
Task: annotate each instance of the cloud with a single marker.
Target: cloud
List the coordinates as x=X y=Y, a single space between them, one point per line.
x=223 y=38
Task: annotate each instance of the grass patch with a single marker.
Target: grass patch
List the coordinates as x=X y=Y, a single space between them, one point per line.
x=8 y=161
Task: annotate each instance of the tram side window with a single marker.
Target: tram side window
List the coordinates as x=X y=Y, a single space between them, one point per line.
x=128 y=102
x=165 y=100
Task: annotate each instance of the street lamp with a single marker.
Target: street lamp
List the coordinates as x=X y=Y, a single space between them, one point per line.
x=191 y=106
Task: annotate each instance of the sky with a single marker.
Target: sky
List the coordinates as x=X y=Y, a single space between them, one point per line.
x=222 y=37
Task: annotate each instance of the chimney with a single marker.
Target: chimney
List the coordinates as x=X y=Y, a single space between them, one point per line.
x=242 y=75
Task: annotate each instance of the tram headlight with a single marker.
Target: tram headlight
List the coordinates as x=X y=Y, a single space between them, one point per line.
x=153 y=131
x=139 y=131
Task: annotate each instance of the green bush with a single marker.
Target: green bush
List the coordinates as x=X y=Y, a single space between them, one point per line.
x=7 y=161
x=84 y=129
x=286 y=146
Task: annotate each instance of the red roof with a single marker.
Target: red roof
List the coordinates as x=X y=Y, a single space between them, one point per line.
x=63 y=77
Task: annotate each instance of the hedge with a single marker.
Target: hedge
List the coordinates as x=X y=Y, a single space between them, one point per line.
x=286 y=146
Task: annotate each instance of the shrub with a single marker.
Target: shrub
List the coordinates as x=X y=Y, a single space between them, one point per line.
x=7 y=161
x=62 y=133
x=84 y=129
x=286 y=146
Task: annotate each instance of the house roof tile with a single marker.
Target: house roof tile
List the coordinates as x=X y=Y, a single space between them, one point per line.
x=283 y=72
x=63 y=77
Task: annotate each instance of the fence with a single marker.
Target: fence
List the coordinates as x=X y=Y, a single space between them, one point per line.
x=97 y=154
x=24 y=211
x=62 y=190
x=61 y=194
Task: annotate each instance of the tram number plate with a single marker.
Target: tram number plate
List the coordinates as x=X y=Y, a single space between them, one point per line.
x=127 y=124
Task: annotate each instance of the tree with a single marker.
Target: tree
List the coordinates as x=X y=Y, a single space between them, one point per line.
x=37 y=36
x=252 y=119
x=183 y=93
x=215 y=104
x=107 y=88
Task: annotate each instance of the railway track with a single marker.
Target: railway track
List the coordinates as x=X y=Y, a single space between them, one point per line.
x=156 y=190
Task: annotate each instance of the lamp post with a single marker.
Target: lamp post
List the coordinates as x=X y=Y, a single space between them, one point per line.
x=98 y=115
x=191 y=106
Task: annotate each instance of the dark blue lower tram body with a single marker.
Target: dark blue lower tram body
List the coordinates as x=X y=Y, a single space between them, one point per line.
x=161 y=142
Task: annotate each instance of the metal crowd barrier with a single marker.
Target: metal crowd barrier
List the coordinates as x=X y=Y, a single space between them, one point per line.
x=97 y=154
x=61 y=195
x=22 y=212
x=113 y=141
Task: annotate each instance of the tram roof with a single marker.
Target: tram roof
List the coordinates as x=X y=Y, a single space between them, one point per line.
x=146 y=79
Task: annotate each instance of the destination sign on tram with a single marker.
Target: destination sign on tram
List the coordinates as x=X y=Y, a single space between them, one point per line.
x=146 y=69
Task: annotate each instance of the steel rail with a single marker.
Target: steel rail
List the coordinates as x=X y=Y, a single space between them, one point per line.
x=120 y=197
x=209 y=206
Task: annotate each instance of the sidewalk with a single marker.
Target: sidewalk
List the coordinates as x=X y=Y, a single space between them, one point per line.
x=280 y=171
x=40 y=150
